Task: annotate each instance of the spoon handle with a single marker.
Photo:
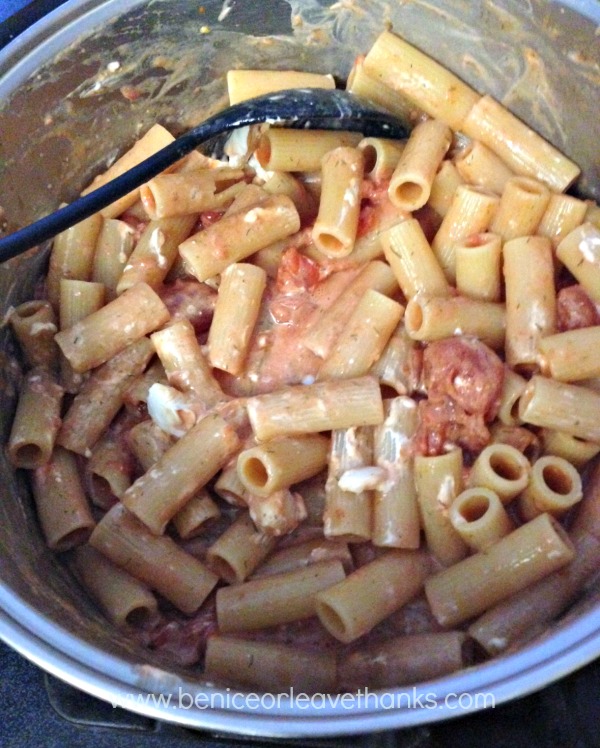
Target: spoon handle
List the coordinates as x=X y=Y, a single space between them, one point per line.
x=298 y=108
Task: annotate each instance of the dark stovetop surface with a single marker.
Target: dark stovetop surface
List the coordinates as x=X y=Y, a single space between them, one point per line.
x=39 y=710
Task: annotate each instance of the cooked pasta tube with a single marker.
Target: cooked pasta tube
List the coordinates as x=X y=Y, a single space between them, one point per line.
x=364 y=338
x=554 y=487
x=478 y=259
x=381 y=155
x=334 y=231
x=155 y=252
x=300 y=150
x=562 y=407
x=272 y=668
x=444 y=186
x=517 y=560
x=101 y=397
x=100 y=336
x=121 y=597
x=530 y=299
x=328 y=325
x=513 y=387
x=571 y=356
x=108 y=471
x=138 y=391
x=230 y=488
x=370 y=88
x=306 y=409
x=281 y=598
x=521 y=438
x=237 y=236
x=269 y=258
x=396 y=522
x=148 y=442
x=348 y=514
x=36 y=421
x=77 y=299
x=519 y=616
x=410 y=184
x=411 y=258
x=155 y=560
x=502 y=469
x=34 y=324
x=153 y=140
x=430 y=318
x=424 y=82
x=399 y=365
x=238 y=551
x=277 y=514
x=187 y=192
x=479 y=517
x=522 y=205
x=579 y=251
x=592 y=213
x=183 y=470
x=249 y=197
x=355 y=605
x=190 y=520
x=304 y=554
x=184 y=362
x=236 y=311
x=414 y=658
x=563 y=214
x=279 y=463
x=522 y=149
x=577 y=451
x=367 y=246
x=471 y=212
x=72 y=255
x=478 y=165
x=113 y=248
x=438 y=481
x=283 y=183
x=62 y=507
x=247 y=84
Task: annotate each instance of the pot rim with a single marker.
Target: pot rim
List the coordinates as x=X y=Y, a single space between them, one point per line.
x=116 y=681
x=111 y=679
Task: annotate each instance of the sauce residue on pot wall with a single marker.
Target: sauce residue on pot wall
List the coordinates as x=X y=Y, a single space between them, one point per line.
x=155 y=65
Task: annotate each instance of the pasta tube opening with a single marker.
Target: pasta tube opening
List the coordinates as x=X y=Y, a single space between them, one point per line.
x=474 y=506
x=503 y=469
x=414 y=317
x=333 y=621
x=555 y=487
x=330 y=244
x=505 y=466
x=28 y=456
x=255 y=472
x=479 y=518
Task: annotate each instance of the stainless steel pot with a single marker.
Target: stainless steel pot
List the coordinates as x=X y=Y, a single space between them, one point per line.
x=63 y=113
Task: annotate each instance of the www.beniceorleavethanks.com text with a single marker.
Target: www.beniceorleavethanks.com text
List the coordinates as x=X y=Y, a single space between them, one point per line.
x=361 y=699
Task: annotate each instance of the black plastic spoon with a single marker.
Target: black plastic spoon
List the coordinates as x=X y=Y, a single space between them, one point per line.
x=298 y=108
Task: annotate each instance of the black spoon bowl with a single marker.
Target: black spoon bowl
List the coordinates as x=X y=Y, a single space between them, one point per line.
x=303 y=108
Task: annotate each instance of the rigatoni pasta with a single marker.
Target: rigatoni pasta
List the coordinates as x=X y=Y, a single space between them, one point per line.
x=334 y=232
x=36 y=421
x=521 y=558
x=290 y=425
x=101 y=335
